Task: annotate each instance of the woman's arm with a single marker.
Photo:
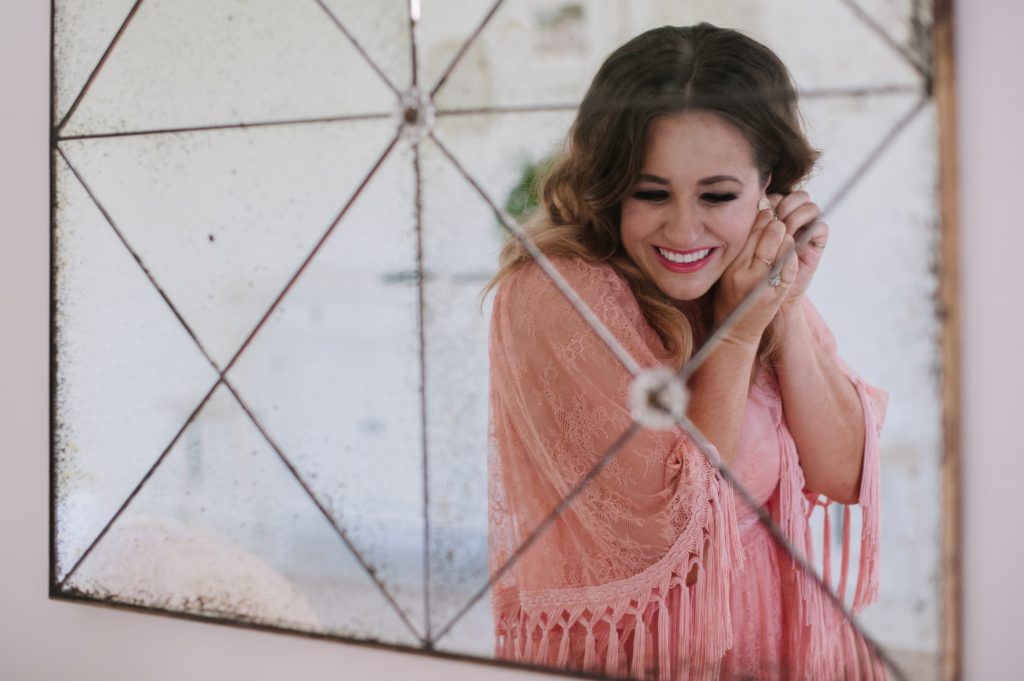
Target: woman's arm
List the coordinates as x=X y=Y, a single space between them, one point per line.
x=720 y=387
x=823 y=410
x=718 y=395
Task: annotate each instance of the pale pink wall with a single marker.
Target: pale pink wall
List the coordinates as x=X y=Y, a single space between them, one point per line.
x=991 y=101
x=40 y=639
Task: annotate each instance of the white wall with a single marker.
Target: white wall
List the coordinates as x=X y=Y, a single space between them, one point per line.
x=40 y=639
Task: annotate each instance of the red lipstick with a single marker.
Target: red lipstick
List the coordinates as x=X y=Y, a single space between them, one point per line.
x=684 y=267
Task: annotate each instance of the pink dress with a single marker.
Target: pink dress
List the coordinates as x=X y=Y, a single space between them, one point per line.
x=652 y=569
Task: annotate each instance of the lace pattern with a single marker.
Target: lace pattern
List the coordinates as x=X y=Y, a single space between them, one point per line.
x=634 y=576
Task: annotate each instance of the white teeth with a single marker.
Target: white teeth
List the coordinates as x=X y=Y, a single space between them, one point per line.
x=687 y=258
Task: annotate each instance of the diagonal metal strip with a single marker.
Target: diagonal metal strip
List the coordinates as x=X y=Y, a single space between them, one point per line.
x=316 y=249
x=362 y=561
x=737 y=314
x=99 y=65
x=338 y=529
x=550 y=518
x=359 y=48
x=465 y=48
x=138 y=487
x=509 y=223
x=229 y=126
x=883 y=35
x=137 y=258
x=875 y=153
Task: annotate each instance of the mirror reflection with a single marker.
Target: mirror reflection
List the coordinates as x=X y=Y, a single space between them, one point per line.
x=284 y=398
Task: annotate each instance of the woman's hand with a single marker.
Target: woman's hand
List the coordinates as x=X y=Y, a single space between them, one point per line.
x=769 y=240
x=799 y=213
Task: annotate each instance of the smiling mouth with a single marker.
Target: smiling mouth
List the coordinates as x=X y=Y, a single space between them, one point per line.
x=682 y=262
x=686 y=257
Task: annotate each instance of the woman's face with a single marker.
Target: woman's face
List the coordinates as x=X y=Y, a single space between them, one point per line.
x=693 y=204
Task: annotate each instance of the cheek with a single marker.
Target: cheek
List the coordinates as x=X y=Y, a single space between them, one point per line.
x=634 y=225
x=734 y=223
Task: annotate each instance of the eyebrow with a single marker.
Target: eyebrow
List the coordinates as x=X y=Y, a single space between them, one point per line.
x=714 y=179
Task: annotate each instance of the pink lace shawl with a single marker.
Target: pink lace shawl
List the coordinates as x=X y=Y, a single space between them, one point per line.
x=633 y=577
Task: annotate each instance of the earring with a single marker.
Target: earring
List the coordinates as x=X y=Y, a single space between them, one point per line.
x=765 y=204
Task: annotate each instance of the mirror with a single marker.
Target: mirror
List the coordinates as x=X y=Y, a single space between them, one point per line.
x=272 y=226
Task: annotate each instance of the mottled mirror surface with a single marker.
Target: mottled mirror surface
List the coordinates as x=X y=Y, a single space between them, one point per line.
x=272 y=225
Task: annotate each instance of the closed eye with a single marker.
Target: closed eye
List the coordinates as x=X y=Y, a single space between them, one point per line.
x=651 y=195
x=717 y=198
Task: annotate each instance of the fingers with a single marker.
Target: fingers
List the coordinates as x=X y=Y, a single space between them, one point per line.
x=801 y=216
x=760 y=222
x=767 y=249
x=788 y=273
x=813 y=236
x=790 y=202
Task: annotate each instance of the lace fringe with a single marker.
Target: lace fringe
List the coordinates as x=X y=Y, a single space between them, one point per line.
x=666 y=631
x=636 y=634
x=826 y=647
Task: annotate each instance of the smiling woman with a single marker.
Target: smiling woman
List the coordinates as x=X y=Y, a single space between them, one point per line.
x=671 y=207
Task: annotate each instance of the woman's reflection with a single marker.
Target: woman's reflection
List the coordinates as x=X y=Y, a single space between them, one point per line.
x=677 y=194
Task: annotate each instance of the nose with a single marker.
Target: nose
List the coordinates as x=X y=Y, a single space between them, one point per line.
x=683 y=225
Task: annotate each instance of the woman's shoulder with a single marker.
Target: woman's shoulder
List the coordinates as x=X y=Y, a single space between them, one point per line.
x=597 y=284
x=533 y=303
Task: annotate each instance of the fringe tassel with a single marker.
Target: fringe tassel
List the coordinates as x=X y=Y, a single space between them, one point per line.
x=589 y=646
x=826 y=547
x=817 y=651
x=639 y=645
x=563 y=648
x=866 y=591
x=615 y=660
x=664 y=642
x=844 y=567
x=687 y=647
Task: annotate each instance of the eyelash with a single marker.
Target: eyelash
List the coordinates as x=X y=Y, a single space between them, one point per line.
x=657 y=196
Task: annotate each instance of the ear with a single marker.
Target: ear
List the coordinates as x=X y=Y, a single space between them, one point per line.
x=767 y=183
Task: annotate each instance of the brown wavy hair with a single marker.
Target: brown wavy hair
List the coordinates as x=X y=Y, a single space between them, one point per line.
x=663 y=71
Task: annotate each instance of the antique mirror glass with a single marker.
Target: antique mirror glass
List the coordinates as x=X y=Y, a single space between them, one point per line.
x=272 y=223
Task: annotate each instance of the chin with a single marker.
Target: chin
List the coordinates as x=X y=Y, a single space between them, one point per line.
x=682 y=293
x=685 y=297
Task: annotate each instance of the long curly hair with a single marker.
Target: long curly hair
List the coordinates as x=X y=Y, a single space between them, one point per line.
x=663 y=71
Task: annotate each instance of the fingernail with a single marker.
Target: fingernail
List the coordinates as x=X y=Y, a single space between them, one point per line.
x=765 y=204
